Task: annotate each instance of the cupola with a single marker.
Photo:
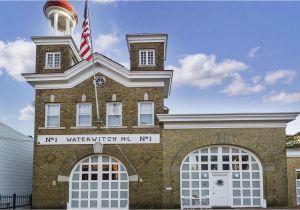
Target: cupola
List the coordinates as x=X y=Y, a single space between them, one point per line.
x=61 y=17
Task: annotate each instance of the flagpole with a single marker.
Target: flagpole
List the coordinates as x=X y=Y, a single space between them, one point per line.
x=93 y=60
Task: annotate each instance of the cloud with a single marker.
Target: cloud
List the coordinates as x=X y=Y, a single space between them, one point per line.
x=17 y=57
x=282 y=75
x=282 y=97
x=203 y=71
x=256 y=79
x=104 y=1
x=26 y=113
x=240 y=87
x=252 y=52
x=107 y=43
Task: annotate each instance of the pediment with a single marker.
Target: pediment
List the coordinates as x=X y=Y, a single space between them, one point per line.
x=105 y=66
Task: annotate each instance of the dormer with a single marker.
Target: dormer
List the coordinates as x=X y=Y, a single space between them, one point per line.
x=147 y=51
x=55 y=54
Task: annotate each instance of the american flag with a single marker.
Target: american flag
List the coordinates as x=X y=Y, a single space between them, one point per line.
x=85 y=46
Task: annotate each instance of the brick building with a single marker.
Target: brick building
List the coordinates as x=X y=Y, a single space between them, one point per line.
x=138 y=155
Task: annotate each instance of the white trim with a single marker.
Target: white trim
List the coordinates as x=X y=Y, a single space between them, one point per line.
x=290 y=153
x=51 y=128
x=114 y=127
x=148 y=38
x=235 y=120
x=147 y=58
x=83 y=70
x=121 y=114
x=139 y=113
x=46 y=116
x=77 y=115
x=83 y=127
x=145 y=126
x=57 y=40
x=46 y=60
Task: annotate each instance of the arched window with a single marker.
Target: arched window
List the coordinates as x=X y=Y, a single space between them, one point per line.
x=221 y=176
x=99 y=182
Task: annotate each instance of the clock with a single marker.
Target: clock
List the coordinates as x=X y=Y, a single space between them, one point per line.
x=100 y=81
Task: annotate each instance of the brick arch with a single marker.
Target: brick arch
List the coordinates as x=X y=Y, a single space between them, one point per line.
x=194 y=144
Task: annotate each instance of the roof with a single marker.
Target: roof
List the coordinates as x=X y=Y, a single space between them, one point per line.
x=57 y=40
x=63 y=4
x=228 y=120
x=9 y=133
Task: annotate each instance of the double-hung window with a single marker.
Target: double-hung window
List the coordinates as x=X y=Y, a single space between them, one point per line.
x=52 y=115
x=113 y=114
x=146 y=113
x=52 y=60
x=298 y=186
x=147 y=57
x=84 y=115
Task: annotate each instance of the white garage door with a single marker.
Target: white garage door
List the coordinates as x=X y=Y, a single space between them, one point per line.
x=98 y=182
x=221 y=176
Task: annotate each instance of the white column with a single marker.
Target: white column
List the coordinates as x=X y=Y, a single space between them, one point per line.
x=55 y=24
x=68 y=29
x=49 y=26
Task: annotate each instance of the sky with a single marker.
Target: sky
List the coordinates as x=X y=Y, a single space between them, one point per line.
x=227 y=57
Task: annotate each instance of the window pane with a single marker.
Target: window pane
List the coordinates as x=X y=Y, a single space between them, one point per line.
x=114 y=108
x=84 y=108
x=49 y=60
x=84 y=120
x=52 y=109
x=146 y=108
x=53 y=121
x=57 y=60
x=298 y=174
x=114 y=120
x=150 y=58
x=146 y=119
x=84 y=114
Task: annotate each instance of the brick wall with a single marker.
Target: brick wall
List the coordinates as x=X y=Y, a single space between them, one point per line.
x=267 y=144
x=292 y=165
x=51 y=161
x=159 y=56
x=66 y=58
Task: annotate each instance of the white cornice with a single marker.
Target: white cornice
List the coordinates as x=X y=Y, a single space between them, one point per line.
x=57 y=40
x=290 y=153
x=105 y=66
x=144 y=38
x=238 y=120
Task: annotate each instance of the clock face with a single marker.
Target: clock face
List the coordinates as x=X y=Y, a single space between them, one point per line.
x=100 y=81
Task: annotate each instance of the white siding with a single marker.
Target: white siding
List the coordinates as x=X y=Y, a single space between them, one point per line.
x=16 y=160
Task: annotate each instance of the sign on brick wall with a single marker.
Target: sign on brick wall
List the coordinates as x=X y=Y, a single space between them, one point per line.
x=102 y=138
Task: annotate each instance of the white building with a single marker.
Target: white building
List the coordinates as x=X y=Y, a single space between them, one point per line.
x=16 y=160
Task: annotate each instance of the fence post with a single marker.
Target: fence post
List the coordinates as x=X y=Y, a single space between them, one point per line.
x=14 y=200
x=30 y=200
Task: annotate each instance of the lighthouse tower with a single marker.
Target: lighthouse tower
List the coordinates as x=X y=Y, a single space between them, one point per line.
x=61 y=17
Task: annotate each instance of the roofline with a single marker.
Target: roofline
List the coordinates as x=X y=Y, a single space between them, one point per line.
x=58 y=40
x=26 y=138
x=70 y=77
x=227 y=116
x=144 y=37
x=227 y=120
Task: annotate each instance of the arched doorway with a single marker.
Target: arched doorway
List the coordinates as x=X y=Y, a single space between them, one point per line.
x=98 y=182
x=221 y=176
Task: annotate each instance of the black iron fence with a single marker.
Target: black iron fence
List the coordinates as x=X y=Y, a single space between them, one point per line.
x=14 y=201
